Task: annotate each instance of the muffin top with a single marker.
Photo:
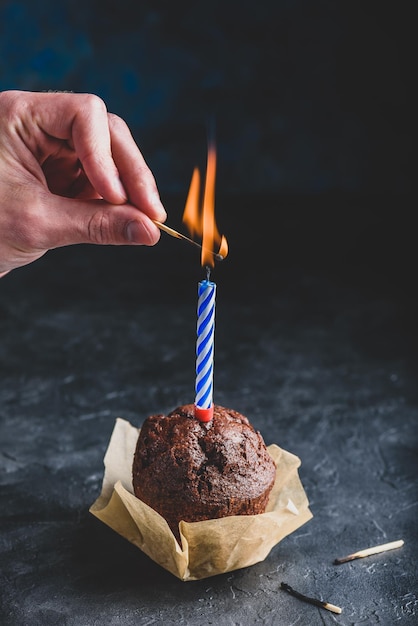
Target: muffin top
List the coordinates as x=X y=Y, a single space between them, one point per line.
x=222 y=461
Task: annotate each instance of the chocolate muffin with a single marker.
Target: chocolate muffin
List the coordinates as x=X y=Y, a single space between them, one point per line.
x=192 y=471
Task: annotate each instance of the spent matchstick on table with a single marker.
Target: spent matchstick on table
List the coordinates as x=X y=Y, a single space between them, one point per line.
x=392 y=545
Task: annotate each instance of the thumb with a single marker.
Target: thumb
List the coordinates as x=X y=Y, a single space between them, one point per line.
x=98 y=222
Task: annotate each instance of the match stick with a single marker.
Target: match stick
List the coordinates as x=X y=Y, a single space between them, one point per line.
x=175 y=233
x=314 y=601
x=368 y=551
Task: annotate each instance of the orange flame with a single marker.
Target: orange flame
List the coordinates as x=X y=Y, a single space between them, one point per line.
x=201 y=220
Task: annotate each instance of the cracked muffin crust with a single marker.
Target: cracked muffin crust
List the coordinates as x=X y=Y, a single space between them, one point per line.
x=192 y=471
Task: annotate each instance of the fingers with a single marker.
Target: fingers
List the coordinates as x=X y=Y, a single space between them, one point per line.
x=136 y=176
x=90 y=135
x=61 y=146
x=104 y=145
x=49 y=123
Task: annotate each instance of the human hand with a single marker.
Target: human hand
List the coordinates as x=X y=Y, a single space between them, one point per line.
x=70 y=172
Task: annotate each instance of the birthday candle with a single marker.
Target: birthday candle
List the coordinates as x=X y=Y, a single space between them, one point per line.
x=205 y=350
x=200 y=219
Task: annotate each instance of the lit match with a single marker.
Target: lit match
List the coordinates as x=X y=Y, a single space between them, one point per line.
x=368 y=551
x=177 y=235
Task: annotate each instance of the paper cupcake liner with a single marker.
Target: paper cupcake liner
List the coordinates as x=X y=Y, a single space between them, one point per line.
x=207 y=548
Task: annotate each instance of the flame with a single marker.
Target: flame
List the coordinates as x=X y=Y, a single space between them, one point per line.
x=200 y=220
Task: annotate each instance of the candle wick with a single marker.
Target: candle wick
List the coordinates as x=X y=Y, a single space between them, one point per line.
x=207 y=272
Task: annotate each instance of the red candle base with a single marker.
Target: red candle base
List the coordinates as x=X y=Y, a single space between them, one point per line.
x=203 y=415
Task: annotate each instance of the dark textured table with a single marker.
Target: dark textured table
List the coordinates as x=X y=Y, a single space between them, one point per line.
x=315 y=343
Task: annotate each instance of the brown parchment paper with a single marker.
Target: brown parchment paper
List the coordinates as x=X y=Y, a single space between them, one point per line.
x=210 y=547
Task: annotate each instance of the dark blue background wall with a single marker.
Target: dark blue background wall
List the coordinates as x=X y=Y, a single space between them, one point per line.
x=306 y=96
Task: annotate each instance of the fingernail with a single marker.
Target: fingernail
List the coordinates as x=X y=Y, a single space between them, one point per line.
x=158 y=206
x=120 y=189
x=139 y=233
x=133 y=232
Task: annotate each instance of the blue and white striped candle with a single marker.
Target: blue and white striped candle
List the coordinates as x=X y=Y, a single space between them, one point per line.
x=205 y=350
